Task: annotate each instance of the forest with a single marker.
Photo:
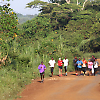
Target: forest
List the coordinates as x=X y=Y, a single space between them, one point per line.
x=61 y=29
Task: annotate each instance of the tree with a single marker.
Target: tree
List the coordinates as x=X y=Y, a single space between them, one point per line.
x=35 y=4
x=8 y=21
x=58 y=1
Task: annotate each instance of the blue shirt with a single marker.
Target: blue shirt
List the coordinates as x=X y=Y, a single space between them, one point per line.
x=79 y=64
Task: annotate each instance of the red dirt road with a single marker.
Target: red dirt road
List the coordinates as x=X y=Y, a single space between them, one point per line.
x=69 y=87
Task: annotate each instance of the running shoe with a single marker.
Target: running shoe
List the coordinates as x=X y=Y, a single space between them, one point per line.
x=76 y=74
x=42 y=80
x=66 y=74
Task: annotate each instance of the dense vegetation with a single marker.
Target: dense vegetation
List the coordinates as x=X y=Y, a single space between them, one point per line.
x=58 y=31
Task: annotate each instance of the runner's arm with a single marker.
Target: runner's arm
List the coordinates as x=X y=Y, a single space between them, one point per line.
x=49 y=64
x=44 y=67
x=39 y=67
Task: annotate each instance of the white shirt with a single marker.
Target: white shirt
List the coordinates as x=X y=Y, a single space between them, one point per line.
x=65 y=62
x=95 y=64
x=52 y=62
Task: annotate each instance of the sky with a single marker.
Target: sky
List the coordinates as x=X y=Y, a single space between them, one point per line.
x=19 y=6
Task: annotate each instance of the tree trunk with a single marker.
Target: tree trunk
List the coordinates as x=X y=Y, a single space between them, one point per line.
x=77 y=2
x=68 y=1
x=84 y=3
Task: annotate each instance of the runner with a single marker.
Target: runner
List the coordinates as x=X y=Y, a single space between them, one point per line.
x=42 y=69
x=95 y=66
x=93 y=59
x=79 y=65
x=75 y=65
x=84 y=66
x=52 y=64
x=90 y=64
x=60 y=63
x=66 y=63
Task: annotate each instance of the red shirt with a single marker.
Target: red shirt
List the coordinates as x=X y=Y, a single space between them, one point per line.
x=60 y=63
x=84 y=63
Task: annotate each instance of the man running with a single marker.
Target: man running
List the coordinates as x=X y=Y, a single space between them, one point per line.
x=51 y=65
x=90 y=64
x=84 y=66
x=95 y=66
x=75 y=65
x=42 y=69
x=60 y=63
x=93 y=59
x=79 y=65
x=66 y=63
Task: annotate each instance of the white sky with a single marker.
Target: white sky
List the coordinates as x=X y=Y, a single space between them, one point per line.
x=19 y=6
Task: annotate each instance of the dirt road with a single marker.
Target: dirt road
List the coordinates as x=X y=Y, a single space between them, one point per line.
x=69 y=87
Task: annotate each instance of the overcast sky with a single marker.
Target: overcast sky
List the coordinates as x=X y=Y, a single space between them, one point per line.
x=19 y=6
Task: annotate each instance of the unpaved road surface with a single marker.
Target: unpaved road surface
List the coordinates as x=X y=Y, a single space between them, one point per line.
x=69 y=87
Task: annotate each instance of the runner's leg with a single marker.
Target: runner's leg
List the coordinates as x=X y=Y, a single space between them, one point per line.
x=43 y=76
x=59 y=72
x=66 y=70
x=52 y=71
x=76 y=69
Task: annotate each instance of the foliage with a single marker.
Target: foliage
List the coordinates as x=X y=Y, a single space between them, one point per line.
x=35 y=3
x=8 y=20
x=37 y=28
x=58 y=1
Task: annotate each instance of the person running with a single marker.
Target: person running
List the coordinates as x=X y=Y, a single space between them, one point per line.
x=79 y=65
x=90 y=64
x=84 y=66
x=66 y=63
x=60 y=63
x=95 y=66
x=75 y=65
x=42 y=69
x=51 y=65
x=93 y=59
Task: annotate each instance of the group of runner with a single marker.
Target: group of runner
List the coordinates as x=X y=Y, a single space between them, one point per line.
x=79 y=65
x=82 y=65
x=51 y=63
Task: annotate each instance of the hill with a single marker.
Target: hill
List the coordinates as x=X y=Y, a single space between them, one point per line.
x=24 y=18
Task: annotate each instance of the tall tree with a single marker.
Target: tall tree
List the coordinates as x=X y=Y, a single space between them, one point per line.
x=35 y=4
x=58 y=1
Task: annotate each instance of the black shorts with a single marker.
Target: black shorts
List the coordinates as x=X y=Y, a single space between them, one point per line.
x=79 y=69
x=60 y=67
x=84 y=69
x=75 y=66
x=90 y=69
x=52 y=68
x=42 y=73
x=95 y=70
